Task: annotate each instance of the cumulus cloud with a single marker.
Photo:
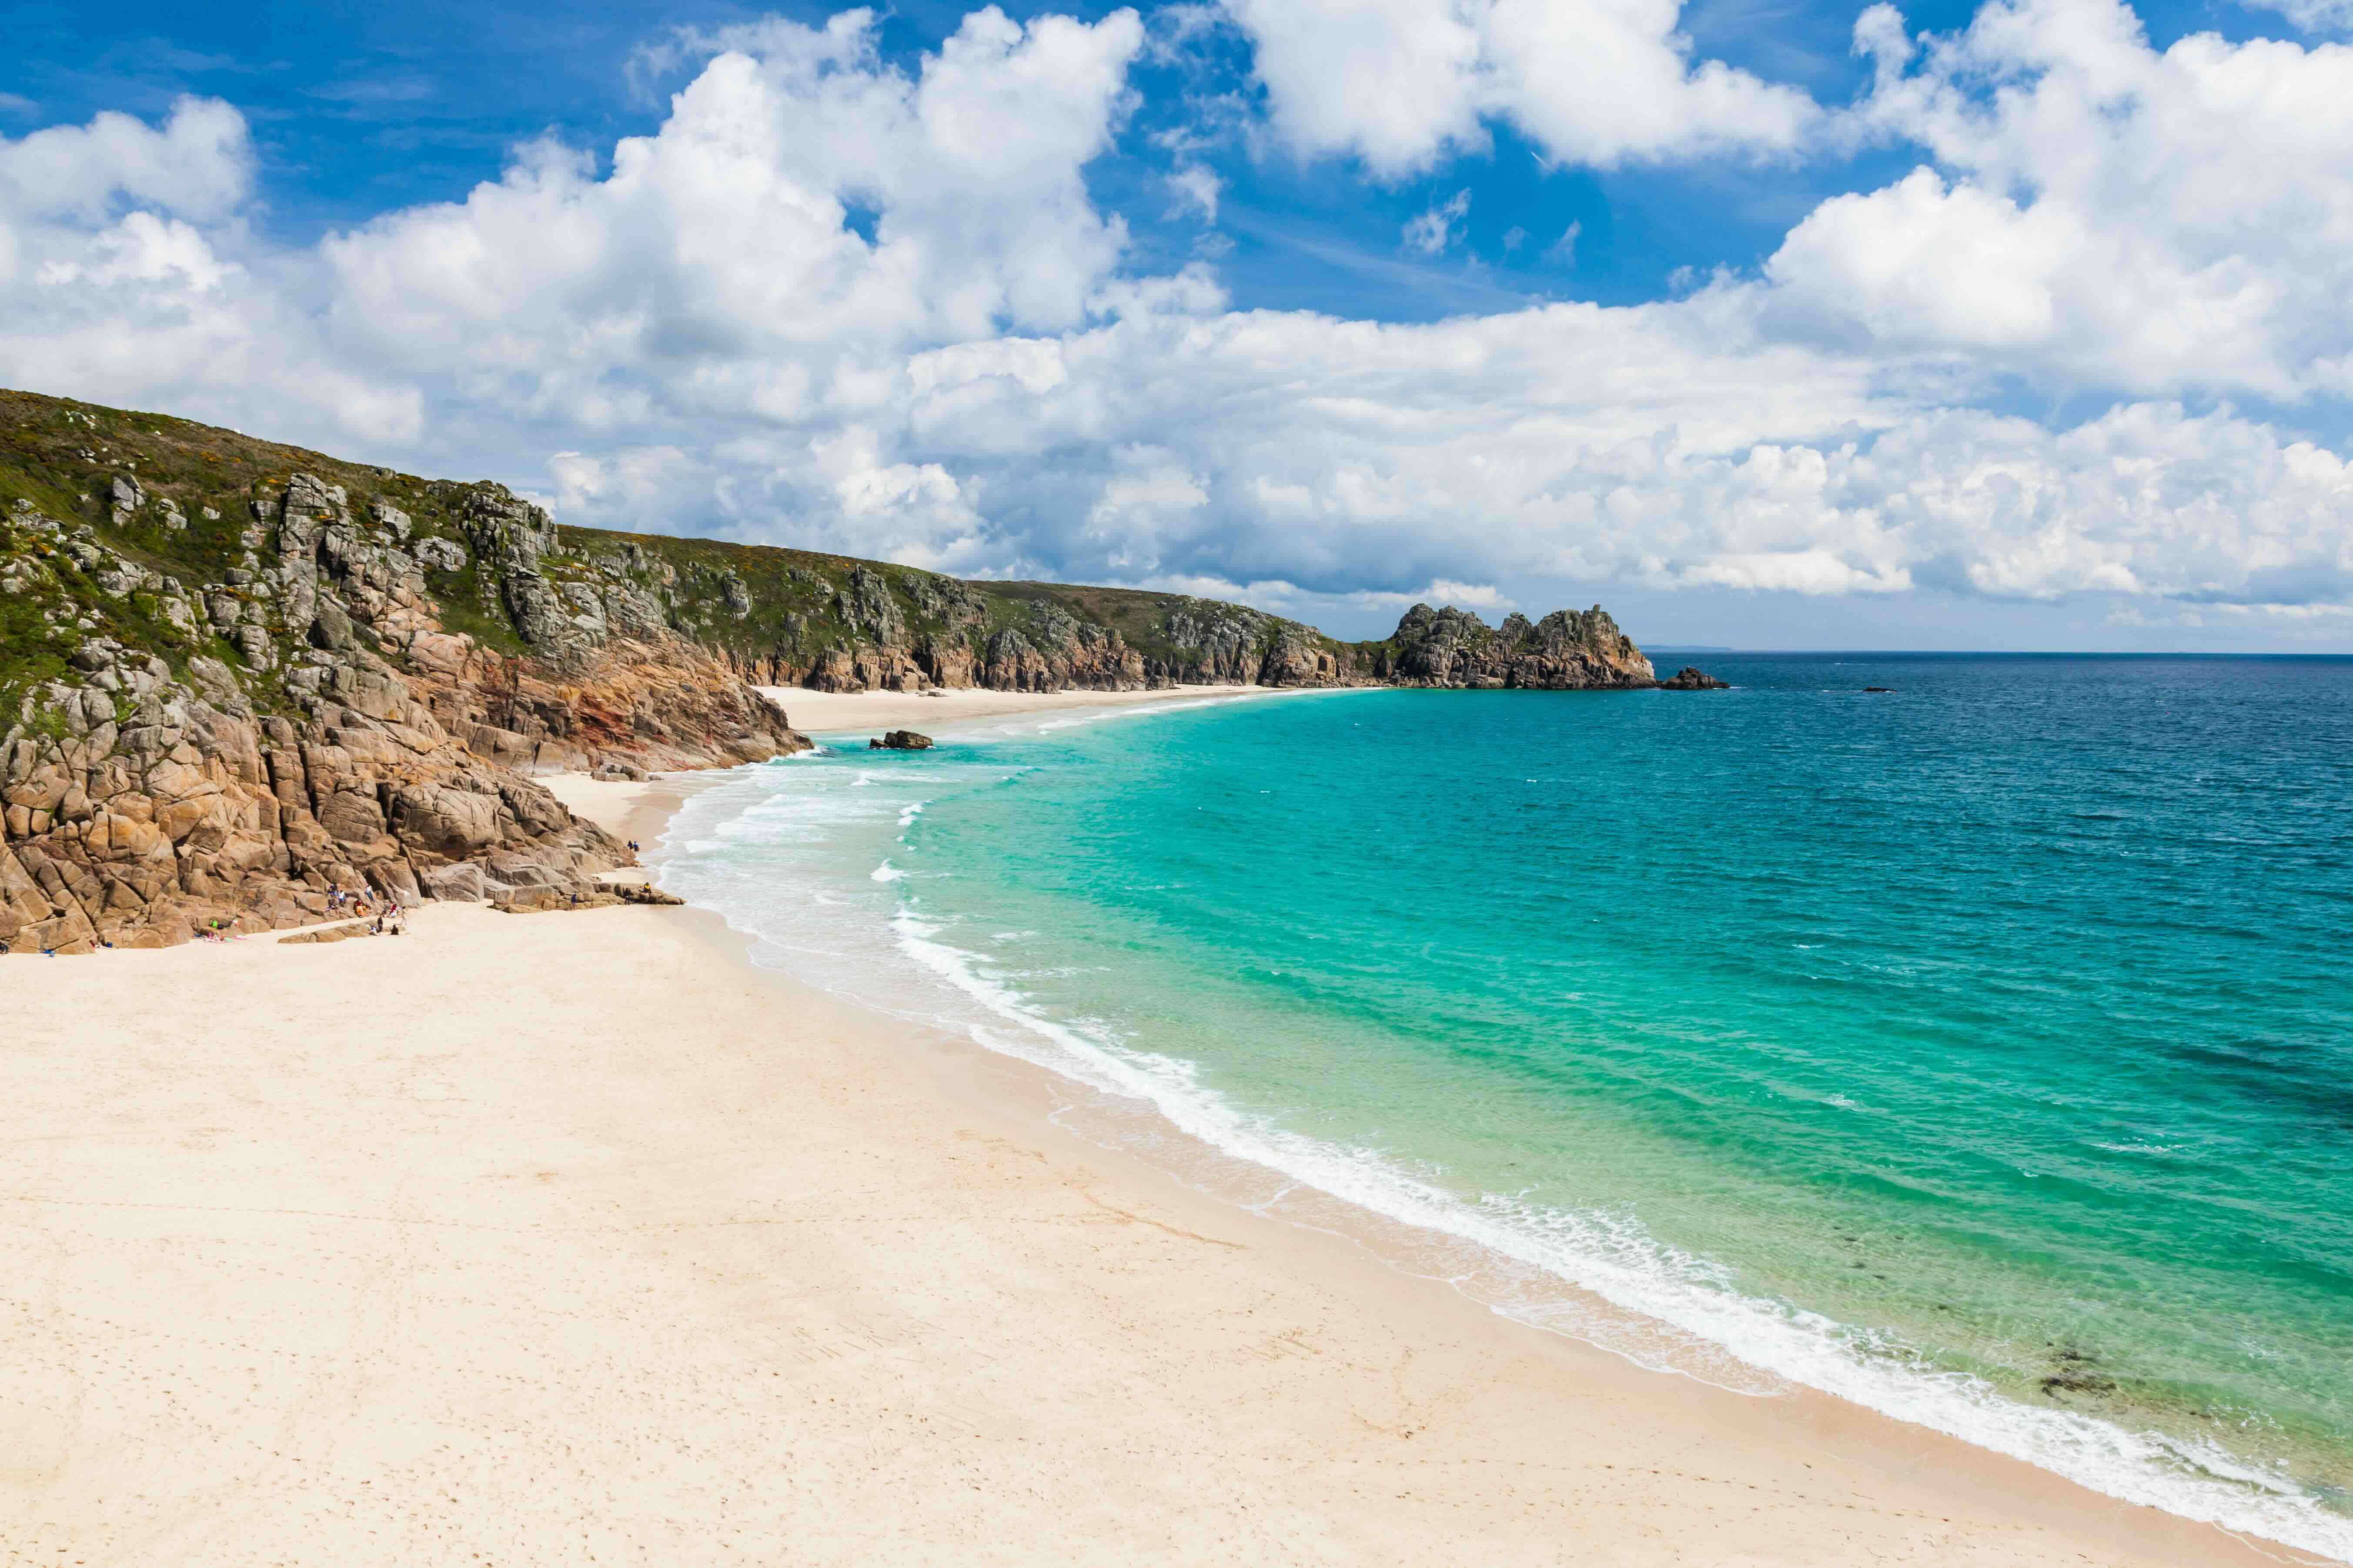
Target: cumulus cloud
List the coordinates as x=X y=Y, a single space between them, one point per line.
x=1399 y=83
x=714 y=258
x=199 y=164
x=127 y=274
x=2098 y=212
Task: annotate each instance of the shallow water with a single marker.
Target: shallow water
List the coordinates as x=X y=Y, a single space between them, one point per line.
x=1981 y=1050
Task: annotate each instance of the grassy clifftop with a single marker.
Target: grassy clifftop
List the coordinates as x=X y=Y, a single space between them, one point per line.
x=184 y=503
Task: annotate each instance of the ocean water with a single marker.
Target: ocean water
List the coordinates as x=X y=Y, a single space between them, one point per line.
x=1981 y=1050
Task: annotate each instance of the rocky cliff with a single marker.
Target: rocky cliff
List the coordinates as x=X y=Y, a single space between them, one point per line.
x=236 y=680
x=236 y=676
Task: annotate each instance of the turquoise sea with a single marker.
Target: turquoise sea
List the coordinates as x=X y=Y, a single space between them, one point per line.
x=1981 y=1050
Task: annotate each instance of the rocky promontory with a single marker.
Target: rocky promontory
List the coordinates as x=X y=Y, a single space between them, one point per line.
x=1568 y=650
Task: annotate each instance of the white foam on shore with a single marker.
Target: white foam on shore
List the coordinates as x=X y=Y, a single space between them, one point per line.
x=878 y=948
x=1616 y=1258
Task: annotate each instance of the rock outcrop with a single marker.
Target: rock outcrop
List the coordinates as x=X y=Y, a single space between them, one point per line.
x=900 y=741
x=1567 y=650
x=229 y=753
x=1690 y=677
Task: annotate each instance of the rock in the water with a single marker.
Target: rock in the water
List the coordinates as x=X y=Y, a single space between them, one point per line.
x=1690 y=677
x=900 y=741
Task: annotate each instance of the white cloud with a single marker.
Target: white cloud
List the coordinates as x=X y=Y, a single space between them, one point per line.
x=126 y=275
x=2100 y=214
x=1430 y=233
x=141 y=249
x=199 y=165
x=1670 y=445
x=1195 y=190
x=716 y=251
x=1399 y=83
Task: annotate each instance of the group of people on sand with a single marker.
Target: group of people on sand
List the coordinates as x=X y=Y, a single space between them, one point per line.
x=389 y=918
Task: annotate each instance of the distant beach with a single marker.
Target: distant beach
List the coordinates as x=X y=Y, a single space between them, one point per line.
x=830 y=712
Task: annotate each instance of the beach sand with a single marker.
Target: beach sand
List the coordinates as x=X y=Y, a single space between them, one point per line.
x=574 y=1238
x=834 y=714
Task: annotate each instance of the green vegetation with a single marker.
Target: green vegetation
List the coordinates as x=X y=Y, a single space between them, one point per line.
x=196 y=526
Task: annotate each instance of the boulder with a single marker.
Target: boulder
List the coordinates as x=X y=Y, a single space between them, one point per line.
x=900 y=741
x=446 y=821
x=460 y=883
x=330 y=628
x=1690 y=677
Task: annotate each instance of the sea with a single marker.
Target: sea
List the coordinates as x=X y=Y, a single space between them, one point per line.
x=1978 y=1050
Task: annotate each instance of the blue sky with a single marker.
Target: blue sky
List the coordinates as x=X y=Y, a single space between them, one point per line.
x=1699 y=352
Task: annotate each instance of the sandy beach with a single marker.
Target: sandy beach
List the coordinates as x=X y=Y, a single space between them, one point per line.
x=574 y=1237
x=830 y=712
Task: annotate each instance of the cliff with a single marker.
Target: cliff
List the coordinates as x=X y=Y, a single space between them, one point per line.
x=236 y=676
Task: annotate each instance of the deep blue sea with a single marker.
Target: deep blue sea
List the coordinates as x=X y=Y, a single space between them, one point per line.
x=1981 y=1050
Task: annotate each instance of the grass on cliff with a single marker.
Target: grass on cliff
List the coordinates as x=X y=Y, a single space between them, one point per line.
x=62 y=454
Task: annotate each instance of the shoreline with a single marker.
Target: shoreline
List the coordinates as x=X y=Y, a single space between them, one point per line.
x=622 y=1158
x=841 y=713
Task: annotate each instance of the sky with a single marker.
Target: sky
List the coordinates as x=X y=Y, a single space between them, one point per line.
x=1766 y=323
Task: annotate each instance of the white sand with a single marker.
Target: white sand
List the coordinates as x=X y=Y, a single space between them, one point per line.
x=571 y=1238
x=834 y=714
x=626 y=808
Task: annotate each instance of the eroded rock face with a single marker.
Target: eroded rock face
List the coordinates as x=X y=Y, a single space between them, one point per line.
x=152 y=817
x=356 y=745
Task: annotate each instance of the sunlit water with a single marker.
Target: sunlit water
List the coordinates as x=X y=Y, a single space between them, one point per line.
x=1982 y=1051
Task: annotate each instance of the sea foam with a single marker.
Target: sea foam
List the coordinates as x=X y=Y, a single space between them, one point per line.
x=1616 y=1258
